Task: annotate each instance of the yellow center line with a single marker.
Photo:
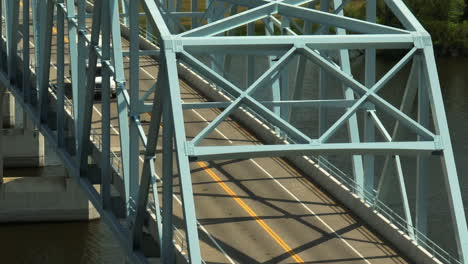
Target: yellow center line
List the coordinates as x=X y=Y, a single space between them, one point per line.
x=249 y=210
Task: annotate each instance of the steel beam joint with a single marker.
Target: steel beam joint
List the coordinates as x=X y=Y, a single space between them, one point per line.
x=422 y=40
x=172 y=43
x=189 y=149
x=438 y=143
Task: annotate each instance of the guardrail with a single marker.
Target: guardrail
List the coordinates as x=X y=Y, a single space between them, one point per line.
x=386 y=211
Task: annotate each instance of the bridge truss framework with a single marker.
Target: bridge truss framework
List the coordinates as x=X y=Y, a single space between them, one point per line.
x=295 y=32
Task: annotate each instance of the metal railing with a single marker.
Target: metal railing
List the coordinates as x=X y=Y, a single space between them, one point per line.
x=387 y=212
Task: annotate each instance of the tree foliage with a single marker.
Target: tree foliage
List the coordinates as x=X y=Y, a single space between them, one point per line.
x=446 y=20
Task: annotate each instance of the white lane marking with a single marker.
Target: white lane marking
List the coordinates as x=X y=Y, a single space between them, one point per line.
x=310 y=211
x=306 y=207
x=291 y=194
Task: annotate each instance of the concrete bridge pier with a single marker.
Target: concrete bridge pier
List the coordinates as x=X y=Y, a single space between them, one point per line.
x=35 y=185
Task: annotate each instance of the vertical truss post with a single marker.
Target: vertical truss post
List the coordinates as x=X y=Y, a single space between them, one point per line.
x=60 y=74
x=159 y=94
x=323 y=80
x=188 y=203
x=284 y=76
x=194 y=6
x=134 y=99
x=405 y=107
x=168 y=175
x=447 y=158
x=82 y=67
x=369 y=127
x=275 y=86
x=36 y=28
x=404 y=196
x=298 y=87
x=422 y=162
x=149 y=159
x=353 y=128
x=47 y=20
x=122 y=108
x=11 y=15
x=125 y=15
x=105 y=108
x=26 y=56
x=88 y=94
x=250 y=78
x=73 y=51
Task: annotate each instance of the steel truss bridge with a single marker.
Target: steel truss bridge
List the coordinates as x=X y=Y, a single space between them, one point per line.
x=51 y=51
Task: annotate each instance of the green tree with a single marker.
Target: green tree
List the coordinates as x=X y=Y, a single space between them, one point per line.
x=444 y=19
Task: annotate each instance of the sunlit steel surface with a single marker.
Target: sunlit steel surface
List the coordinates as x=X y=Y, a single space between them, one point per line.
x=205 y=36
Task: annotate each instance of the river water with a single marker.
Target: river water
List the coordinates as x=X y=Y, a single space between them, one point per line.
x=57 y=243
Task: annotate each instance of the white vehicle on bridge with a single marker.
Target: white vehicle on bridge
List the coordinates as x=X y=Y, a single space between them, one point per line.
x=98 y=81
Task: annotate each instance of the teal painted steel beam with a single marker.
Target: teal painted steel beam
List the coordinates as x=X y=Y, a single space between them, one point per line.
x=81 y=68
x=401 y=11
x=45 y=52
x=331 y=103
x=165 y=18
x=254 y=151
x=405 y=107
x=156 y=18
x=247 y=3
x=266 y=113
x=323 y=80
x=122 y=106
x=452 y=183
x=266 y=79
x=353 y=127
x=149 y=158
x=88 y=95
x=326 y=18
x=330 y=42
x=369 y=128
x=106 y=165
x=422 y=163
x=73 y=54
x=188 y=204
x=399 y=172
x=11 y=24
x=369 y=94
x=134 y=86
x=26 y=51
x=231 y=22
x=168 y=176
x=60 y=71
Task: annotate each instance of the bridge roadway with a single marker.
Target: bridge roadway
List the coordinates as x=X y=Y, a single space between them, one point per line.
x=258 y=210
